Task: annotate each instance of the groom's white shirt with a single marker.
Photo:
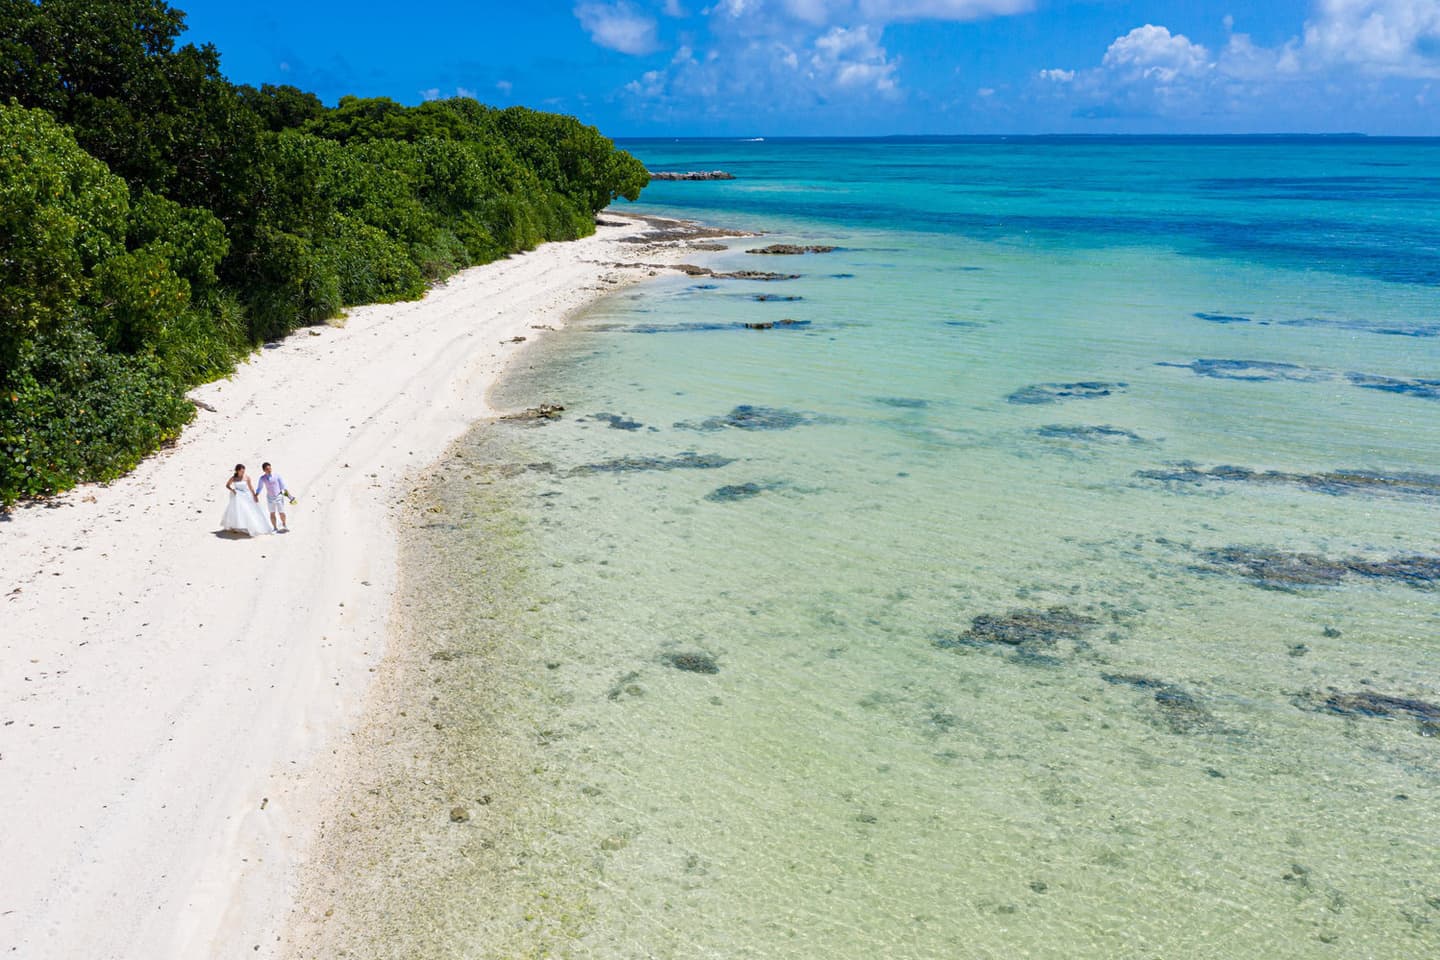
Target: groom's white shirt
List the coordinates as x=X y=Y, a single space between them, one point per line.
x=270 y=484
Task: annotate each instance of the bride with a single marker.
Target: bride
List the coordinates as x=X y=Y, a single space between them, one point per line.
x=243 y=513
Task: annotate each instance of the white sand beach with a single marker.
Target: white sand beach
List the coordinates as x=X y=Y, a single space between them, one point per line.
x=169 y=692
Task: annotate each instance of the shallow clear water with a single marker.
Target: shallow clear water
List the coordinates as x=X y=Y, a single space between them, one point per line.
x=1159 y=753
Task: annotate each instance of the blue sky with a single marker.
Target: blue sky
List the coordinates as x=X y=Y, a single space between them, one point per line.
x=866 y=67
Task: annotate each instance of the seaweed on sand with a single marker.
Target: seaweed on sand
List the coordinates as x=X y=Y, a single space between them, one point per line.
x=692 y=661
x=1178 y=709
x=1371 y=705
x=1029 y=634
x=740 y=491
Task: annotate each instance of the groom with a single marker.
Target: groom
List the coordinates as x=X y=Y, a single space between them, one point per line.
x=273 y=487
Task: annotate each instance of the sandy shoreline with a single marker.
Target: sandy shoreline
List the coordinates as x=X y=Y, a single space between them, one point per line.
x=169 y=694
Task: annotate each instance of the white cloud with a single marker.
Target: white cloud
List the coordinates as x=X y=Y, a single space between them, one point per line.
x=986 y=92
x=672 y=8
x=1154 y=52
x=504 y=86
x=431 y=94
x=619 y=26
x=1397 y=37
x=793 y=55
x=853 y=58
x=650 y=85
x=896 y=11
x=1058 y=76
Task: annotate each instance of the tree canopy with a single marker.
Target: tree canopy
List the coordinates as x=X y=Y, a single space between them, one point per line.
x=157 y=221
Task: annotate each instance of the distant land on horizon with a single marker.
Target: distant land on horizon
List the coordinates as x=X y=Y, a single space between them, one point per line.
x=639 y=68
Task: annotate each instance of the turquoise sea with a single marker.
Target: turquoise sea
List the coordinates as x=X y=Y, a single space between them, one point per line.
x=1060 y=584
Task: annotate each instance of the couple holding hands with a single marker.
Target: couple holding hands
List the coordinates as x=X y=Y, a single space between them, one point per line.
x=243 y=513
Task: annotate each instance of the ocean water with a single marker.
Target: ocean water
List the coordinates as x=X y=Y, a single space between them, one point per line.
x=926 y=626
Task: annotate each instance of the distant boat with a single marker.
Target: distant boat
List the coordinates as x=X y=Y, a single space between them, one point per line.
x=753 y=140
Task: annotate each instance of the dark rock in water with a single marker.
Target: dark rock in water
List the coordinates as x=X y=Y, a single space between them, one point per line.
x=1251 y=370
x=692 y=662
x=1277 y=570
x=706 y=327
x=772 y=324
x=1335 y=482
x=747 y=417
x=691 y=270
x=1029 y=632
x=1367 y=704
x=1330 y=632
x=691 y=175
x=739 y=491
x=1055 y=392
x=1178 y=708
x=688 y=460
x=1056 y=431
x=904 y=403
x=754 y=275
x=1416 y=329
x=1221 y=318
x=767 y=297
x=541 y=414
x=706 y=286
x=1136 y=680
x=1410 y=387
x=708 y=247
x=791 y=249
x=842 y=276
x=618 y=421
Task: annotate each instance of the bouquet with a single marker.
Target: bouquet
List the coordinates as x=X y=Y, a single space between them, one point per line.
x=288 y=496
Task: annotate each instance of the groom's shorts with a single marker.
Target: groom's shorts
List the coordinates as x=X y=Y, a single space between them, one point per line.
x=277 y=504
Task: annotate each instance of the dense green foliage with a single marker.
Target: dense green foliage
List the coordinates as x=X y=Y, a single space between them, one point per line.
x=157 y=221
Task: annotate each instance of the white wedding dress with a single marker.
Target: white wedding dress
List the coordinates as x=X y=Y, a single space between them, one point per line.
x=244 y=514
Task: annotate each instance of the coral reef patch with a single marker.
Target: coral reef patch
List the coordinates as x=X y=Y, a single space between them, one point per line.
x=1252 y=370
x=1056 y=392
x=1334 y=482
x=748 y=417
x=1278 y=570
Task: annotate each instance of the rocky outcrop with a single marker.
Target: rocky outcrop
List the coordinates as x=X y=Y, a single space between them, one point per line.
x=541 y=414
x=790 y=249
x=691 y=175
